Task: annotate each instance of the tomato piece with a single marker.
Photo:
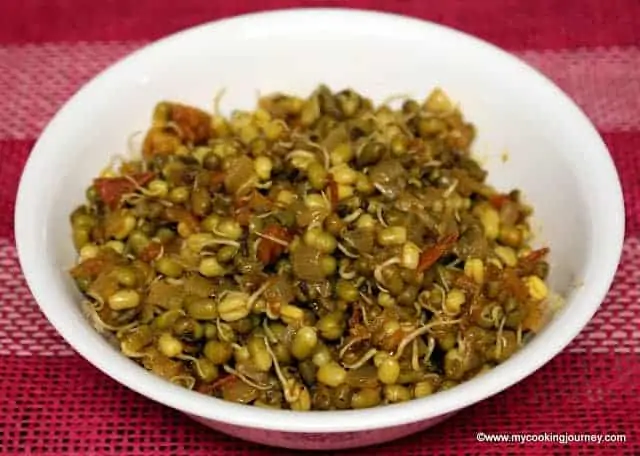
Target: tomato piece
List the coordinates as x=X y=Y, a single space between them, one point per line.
x=391 y=342
x=151 y=251
x=111 y=189
x=89 y=268
x=264 y=251
x=209 y=388
x=268 y=250
x=217 y=179
x=356 y=317
x=333 y=192
x=498 y=200
x=536 y=255
x=194 y=124
x=433 y=254
x=466 y=283
x=243 y=216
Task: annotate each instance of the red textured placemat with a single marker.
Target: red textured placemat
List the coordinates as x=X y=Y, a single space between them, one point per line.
x=52 y=402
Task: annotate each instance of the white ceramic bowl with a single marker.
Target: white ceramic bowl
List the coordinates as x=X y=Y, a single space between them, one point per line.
x=556 y=157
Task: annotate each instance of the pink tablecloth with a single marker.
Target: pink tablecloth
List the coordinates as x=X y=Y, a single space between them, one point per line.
x=53 y=402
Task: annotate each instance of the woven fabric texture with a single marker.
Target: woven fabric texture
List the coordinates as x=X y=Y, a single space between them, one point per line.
x=52 y=402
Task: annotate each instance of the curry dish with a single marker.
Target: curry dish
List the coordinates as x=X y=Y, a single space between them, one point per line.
x=313 y=254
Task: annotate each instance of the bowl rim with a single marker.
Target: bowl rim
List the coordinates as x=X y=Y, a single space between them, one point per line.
x=468 y=393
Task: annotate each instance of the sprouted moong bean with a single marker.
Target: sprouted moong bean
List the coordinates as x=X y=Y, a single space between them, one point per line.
x=313 y=254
